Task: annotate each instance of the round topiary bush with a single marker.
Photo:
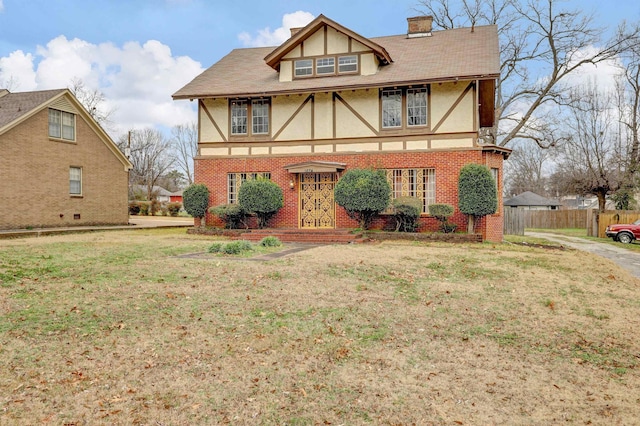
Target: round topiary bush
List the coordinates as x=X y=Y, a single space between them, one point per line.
x=195 y=199
x=363 y=193
x=233 y=215
x=406 y=211
x=262 y=197
x=442 y=212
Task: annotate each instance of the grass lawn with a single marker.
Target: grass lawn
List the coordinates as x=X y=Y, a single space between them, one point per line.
x=122 y=327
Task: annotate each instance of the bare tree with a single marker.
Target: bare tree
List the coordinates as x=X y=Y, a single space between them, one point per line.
x=525 y=170
x=541 y=45
x=149 y=153
x=94 y=102
x=590 y=161
x=184 y=139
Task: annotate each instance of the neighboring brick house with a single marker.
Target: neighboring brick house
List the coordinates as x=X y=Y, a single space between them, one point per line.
x=328 y=100
x=57 y=165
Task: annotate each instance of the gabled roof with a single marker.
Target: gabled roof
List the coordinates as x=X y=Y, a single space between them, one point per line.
x=529 y=198
x=273 y=58
x=16 y=108
x=447 y=55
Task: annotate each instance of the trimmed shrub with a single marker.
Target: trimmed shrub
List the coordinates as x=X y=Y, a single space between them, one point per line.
x=196 y=199
x=233 y=215
x=174 y=209
x=270 y=241
x=406 y=212
x=262 y=197
x=156 y=207
x=237 y=247
x=134 y=208
x=215 y=248
x=363 y=193
x=442 y=212
x=145 y=207
x=477 y=193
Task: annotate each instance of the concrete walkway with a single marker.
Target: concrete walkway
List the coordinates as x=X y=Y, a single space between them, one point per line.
x=625 y=258
x=135 y=222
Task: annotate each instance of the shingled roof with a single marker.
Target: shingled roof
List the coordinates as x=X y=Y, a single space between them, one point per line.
x=14 y=106
x=529 y=198
x=447 y=55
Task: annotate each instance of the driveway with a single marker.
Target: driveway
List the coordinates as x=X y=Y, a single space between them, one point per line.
x=625 y=258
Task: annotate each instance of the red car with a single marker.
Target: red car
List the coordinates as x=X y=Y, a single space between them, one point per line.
x=624 y=233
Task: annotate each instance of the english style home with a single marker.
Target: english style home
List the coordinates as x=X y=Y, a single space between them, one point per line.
x=58 y=167
x=328 y=100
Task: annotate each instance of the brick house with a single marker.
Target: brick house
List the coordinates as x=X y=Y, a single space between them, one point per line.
x=328 y=100
x=57 y=165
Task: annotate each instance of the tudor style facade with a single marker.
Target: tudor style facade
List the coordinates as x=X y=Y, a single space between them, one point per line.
x=328 y=100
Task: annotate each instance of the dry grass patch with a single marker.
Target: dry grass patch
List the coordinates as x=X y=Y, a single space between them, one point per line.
x=116 y=328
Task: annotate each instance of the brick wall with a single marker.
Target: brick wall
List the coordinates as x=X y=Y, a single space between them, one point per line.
x=34 y=178
x=447 y=165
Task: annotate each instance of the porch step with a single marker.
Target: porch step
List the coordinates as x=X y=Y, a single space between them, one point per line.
x=311 y=236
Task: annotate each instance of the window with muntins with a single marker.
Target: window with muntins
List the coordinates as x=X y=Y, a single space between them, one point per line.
x=416 y=107
x=260 y=116
x=235 y=180
x=347 y=64
x=75 y=180
x=391 y=108
x=239 y=117
x=325 y=66
x=62 y=125
x=243 y=110
x=419 y=183
x=303 y=67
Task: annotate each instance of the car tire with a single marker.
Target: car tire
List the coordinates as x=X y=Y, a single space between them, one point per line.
x=625 y=237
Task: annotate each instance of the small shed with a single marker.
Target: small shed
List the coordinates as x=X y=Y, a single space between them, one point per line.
x=531 y=201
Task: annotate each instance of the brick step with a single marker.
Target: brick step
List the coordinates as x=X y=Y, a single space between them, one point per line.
x=316 y=236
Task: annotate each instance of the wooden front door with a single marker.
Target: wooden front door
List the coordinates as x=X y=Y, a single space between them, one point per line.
x=317 y=206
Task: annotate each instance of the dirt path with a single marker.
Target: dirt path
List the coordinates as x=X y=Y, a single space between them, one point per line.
x=627 y=259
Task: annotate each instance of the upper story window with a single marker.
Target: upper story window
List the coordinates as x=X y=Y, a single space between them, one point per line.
x=347 y=64
x=398 y=103
x=62 y=125
x=242 y=109
x=304 y=67
x=391 y=108
x=325 y=66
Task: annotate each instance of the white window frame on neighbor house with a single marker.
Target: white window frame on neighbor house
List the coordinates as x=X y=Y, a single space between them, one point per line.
x=419 y=183
x=62 y=125
x=235 y=180
x=75 y=181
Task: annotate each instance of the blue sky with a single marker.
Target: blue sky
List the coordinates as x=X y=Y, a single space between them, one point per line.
x=138 y=52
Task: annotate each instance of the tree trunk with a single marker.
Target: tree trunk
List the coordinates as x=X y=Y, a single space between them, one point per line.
x=471 y=224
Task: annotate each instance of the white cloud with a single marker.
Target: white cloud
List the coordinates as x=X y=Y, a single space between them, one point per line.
x=1 y=5
x=266 y=37
x=137 y=80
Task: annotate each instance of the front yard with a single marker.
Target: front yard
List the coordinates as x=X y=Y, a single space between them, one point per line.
x=121 y=328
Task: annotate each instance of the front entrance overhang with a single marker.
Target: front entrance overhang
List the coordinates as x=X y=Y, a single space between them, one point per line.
x=316 y=167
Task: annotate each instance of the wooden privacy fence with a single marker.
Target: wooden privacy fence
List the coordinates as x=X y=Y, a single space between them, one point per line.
x=516 y=220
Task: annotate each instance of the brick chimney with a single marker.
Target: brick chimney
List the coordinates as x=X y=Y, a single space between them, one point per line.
x=419 y=26
x=295 y=31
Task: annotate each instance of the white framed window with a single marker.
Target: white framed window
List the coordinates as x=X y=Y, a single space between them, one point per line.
x=62 y=125
x=416 y=107
x=75 y=180
x=239 y=117
x=260 y=116
x=391 y=108
x=325 y=66
x=419 y=183
x=235 y=180
x=303 y=67
x=348 y=64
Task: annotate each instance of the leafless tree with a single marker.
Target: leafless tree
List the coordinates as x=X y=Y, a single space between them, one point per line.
x=149 y=153
x=541 y=45
x=94 y=102
x=590 y=161
x=184 y=139
x=526 y=169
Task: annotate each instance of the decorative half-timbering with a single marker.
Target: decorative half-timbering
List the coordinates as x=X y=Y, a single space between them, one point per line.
x=330 y=99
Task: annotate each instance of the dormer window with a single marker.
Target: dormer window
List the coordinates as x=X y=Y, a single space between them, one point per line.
x=325 y=66
x=347 y=64
x=304 y=67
